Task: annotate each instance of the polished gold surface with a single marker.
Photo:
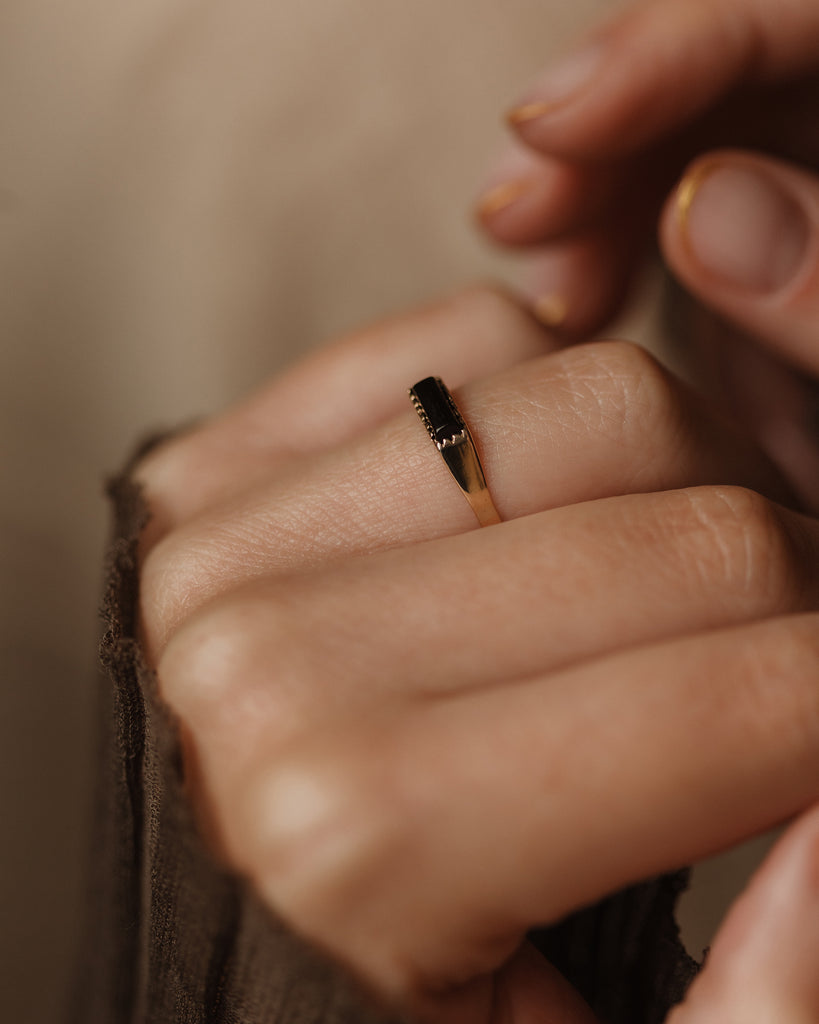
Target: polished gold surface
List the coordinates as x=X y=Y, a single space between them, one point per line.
x=464 y=464
x=446 y=426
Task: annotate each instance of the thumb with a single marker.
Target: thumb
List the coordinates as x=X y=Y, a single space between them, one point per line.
x=742 y=234
x=763 y=967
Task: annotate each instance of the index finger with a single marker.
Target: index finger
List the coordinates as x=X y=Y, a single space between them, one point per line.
x=659 y=65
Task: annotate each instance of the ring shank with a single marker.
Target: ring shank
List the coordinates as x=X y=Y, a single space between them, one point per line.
x=464 y=464
x=445 y=425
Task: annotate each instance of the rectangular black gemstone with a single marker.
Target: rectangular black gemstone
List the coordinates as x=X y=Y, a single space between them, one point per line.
x=439 y=407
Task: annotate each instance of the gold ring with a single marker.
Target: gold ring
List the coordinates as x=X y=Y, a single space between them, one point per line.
x=443 y=420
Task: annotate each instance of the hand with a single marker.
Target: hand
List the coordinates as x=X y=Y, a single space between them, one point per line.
x=603 y=139
x=415 y=737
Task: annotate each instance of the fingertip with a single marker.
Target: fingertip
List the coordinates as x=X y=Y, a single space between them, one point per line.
x=577 y=287
x=762 y=966
x=619 y=90
x=736 y=221
x=741 y=231
x=530 y=199
x=518 y=212
x=655 y=67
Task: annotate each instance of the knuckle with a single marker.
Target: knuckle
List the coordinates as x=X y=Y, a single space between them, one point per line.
x=625 y=392
x=240 y=671
x=631 y=376
x=315 y=834
x=738 y=541
x=188 y=568
x=157 y=466
x=170 y=578
x=208 y=665
x=780 y=696
x=167 y=471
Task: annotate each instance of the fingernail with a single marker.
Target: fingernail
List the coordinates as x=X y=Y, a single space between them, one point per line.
x=559 y=84
x=742 y=226
x=501 y=196
x=551 y=310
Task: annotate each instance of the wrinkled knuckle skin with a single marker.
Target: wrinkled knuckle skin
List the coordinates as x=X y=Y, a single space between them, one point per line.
x=622 y=360
x=634 y=395
x=631 y=372
x=740 y=542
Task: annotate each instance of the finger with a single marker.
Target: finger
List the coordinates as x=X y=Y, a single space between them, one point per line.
x=334 y=395
x=545 y=591
x=762 y=966
x=531 y=197
x=472 y=818
x=656 y=67
x=526 y=990
x=622 y=422
x=577 y=286
x=589 y=222
x=536 y=197
x=775 y=403
x=742 y=233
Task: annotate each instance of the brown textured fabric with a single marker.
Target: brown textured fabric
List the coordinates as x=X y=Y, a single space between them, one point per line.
x=172 y=937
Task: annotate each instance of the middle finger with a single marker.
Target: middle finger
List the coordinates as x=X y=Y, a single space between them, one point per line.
x=283 y=654
x=581 y=424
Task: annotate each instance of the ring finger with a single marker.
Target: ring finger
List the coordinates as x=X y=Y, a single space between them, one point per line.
x=581 y=424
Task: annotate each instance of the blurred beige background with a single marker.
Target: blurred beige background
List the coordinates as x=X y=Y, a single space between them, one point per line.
x=191 y=193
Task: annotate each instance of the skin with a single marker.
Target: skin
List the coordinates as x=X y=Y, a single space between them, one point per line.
x=368 y=684
x=370 y=689
x=676 y=85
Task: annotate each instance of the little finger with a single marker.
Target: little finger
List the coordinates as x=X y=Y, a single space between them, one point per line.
x=472 y=818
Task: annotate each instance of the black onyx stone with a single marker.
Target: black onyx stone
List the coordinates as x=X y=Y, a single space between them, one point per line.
x=439 y=407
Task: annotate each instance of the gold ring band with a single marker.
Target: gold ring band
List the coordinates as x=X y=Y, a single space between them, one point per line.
x=451 y=436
